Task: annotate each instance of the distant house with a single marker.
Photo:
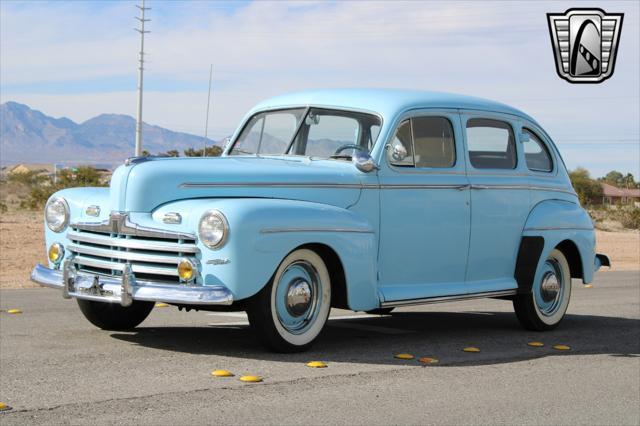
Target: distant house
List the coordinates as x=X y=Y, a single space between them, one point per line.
x=612 y=195
x=24 y=168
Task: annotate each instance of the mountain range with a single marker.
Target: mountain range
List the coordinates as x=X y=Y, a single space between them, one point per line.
x=28 y=135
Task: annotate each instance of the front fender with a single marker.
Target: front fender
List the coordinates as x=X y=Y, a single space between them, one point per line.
x=263 y=231
x=558 y=221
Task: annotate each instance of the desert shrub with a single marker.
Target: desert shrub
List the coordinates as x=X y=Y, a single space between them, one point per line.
x=586 y=188
x=615 y=218
x=37 y=197
x=33 y=177
x=3 y=207
x=42 y=189
x=629 y=217
x=210 y=151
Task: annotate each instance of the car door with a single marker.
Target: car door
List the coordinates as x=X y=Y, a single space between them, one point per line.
x=499 y=199
x=424 y=208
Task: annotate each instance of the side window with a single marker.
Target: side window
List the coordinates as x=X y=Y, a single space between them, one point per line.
x=536 y=153
x=327 y=133
x=433 y=142
x=401 y=150
x=491 y=144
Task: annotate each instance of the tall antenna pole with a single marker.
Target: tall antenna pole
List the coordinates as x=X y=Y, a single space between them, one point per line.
x=206 y=122
x=140 y=76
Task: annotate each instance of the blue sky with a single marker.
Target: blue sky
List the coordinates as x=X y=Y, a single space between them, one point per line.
x=78 y=59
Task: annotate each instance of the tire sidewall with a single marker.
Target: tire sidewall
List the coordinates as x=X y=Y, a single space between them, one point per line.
x=309 y=335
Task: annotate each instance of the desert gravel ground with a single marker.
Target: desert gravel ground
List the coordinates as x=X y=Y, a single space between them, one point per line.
x=55 y=368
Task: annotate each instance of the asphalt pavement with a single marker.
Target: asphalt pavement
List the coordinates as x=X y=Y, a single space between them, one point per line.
x=55 y=367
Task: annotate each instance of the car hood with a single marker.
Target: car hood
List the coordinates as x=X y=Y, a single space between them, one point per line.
x=143 y=186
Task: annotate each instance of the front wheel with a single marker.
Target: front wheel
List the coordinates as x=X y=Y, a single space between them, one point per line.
x=545 y=306
x=111 y=316
x=292 y=309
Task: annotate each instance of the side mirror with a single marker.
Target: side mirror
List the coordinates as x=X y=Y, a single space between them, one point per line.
x=363 y=162
x=398 y=151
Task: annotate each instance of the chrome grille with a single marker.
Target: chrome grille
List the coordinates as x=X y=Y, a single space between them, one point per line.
x=106 y=253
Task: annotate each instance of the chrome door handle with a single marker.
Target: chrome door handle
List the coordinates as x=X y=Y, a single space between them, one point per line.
x=463 y=187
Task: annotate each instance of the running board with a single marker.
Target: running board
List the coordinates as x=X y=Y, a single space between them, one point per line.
x=442 y=299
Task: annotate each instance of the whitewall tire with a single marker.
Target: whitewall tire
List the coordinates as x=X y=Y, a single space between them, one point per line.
x=292 y=309
x=546 y=305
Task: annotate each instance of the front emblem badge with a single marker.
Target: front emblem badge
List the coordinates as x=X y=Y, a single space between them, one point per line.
x=585 y=43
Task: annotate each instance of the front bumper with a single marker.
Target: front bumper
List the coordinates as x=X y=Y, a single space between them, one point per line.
x=124 y=290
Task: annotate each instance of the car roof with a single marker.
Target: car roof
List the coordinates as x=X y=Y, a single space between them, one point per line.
x=387 y=102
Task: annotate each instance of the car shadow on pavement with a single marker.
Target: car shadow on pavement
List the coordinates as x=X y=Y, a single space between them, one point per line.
x=442 y=335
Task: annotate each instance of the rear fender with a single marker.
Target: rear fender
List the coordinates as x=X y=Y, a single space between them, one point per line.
x=565 y=224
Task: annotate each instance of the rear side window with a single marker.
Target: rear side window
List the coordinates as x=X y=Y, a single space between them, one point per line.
x=491 y=144
x=536 y=153
x=427 y=142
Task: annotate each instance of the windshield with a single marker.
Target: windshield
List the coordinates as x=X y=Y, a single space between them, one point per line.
x=312 y=132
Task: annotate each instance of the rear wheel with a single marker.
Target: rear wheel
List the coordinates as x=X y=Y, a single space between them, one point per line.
x=545 y=307
x=292 y=309
x=111 y=316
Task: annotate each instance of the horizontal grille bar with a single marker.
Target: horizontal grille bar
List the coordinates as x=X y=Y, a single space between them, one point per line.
x=124 y=255
x=116 y=266
x=131 y=243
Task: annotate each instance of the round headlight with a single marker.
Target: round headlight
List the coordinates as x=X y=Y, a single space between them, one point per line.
x=213 y=229
x=56 y=214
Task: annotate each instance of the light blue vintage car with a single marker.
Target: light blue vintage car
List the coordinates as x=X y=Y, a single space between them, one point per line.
x=358 y=199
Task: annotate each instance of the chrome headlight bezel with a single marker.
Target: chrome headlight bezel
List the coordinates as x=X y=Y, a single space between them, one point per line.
x=65 y=220
x=214 y=213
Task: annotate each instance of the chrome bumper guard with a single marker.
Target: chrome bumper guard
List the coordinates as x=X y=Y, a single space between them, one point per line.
x=126 y=289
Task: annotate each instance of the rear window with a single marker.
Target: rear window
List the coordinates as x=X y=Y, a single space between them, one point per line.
x=536 y=153
x=491 y=144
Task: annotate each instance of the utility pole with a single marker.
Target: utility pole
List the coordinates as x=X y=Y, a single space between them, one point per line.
x=140 y=76
x=206 y=122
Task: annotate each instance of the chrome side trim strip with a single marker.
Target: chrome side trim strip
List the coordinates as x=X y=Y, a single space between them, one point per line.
x=191 y=185
x=124 y=255
x=119 y=223
x=109 y=289
x=143 y=269
x=555 y=228
x=419 y=186
x=132 y=244
x=528 y=187
x=442 y=299
x=278 y=230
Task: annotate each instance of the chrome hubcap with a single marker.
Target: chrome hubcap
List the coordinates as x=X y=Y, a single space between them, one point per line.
x=550 y=287
x=550 y=290
x=298 y=297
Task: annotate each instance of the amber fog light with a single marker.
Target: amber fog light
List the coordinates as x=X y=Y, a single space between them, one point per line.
x=56 y=253
x=186 y=270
